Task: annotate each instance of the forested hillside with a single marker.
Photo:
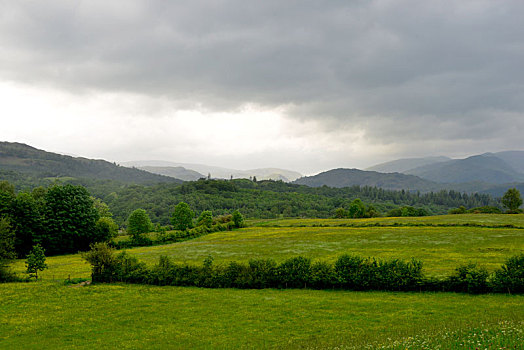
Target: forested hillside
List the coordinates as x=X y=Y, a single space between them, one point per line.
x=41 y=164
x=269 y=199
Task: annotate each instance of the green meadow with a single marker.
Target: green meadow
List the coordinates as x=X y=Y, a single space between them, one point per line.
x=440 y=248
x=50 y=314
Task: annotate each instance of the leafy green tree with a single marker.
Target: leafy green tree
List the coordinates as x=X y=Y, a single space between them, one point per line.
x=106 y=228
x=138 y=223
x=27 y=221
x=182 y=218
x=357 y=209
x=36 y=261
x=69 y=219
x=340 y=213
x=205 y=219
x=102 y=208
x=238 y=219
x=7 y=247
x=7 y=196
x=512 y=200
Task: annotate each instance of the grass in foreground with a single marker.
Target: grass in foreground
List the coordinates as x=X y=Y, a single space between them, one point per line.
x=51 y=315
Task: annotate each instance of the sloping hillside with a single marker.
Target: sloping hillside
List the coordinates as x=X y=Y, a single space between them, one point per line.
x=484 y=168
x=29 y=160
x=403 y=165
x=174 y=171
x=354 y=177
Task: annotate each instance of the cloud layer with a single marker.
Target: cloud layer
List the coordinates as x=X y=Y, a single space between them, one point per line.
x=397 y=77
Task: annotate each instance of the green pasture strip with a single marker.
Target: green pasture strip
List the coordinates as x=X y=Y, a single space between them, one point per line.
x=54 y=316
x=482 y=220
x=441 y=249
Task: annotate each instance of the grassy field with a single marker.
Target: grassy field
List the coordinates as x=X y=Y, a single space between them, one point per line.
x=516 y=220
x=441 y=249
x=51 y=315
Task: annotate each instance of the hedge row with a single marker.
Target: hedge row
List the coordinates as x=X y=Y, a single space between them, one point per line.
x=164 y=237
x=348 y=272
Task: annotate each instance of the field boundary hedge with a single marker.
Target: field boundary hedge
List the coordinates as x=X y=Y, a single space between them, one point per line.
x=349 y=272
x=395 y=224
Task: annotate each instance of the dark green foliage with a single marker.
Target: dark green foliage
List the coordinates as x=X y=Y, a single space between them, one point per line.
x=7 y=248
x=238 y=219
x=106 y=229
x=512 y=200
x=271 y=199
x=510 y=278
x=340 y=213
x=35 y=261
x=357 y=209
x=322 y=275
x=407 y=211
x=182 y=218
x=205 y=219
x=348 y=272
x=294 y=272
x=102 y=260
x=469 y=278
x=460 y=210
x=138 y=223
x=28 y=221
x=70 y=220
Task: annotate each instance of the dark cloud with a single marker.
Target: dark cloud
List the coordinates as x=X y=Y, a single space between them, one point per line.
x=404 y=71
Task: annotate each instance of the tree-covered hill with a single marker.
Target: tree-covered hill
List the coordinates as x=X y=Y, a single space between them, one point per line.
x=41 y=164
x=270 y=199
x=356 y=177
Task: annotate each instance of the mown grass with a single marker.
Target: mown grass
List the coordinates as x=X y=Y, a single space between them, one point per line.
x=51 y=315
x=441 y=249
x=516 y=220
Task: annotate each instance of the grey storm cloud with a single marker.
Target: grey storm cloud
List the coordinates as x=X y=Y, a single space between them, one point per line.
x=392 y=68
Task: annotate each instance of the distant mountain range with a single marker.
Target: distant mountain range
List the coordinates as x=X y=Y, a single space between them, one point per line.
x=491 y=168
x=356 y=177
x=491 y=173
x=25 y=159
x=201 y=170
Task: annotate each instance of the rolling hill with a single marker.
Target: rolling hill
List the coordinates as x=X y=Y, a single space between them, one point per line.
x=354 y=177
x=177 y=172
x=484 y=168
x=25 y=159
x=219 y=172
x=403 y=165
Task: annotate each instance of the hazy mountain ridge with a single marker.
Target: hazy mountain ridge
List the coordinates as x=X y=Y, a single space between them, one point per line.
x=23 y=158
x=220 y=172
x=405 y=164
x=355 y=177
x=177 y=172
x=485 y=168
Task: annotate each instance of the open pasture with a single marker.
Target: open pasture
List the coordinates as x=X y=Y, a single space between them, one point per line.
x=487 y=220
x=52 y=315
x=441 y=249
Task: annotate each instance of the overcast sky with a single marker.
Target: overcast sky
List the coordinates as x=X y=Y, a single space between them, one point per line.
x=303 y=85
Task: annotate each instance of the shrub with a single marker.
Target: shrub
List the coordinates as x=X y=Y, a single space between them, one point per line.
x=510 y=277
x=102 y=260
x=322 y=275
x=294 y=272
x=469 y=279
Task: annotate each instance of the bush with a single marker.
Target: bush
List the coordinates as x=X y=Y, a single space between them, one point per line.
x=469 y=279
x=460 y=210
x=510 y=278
x=294 y=272
x=102 y=260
